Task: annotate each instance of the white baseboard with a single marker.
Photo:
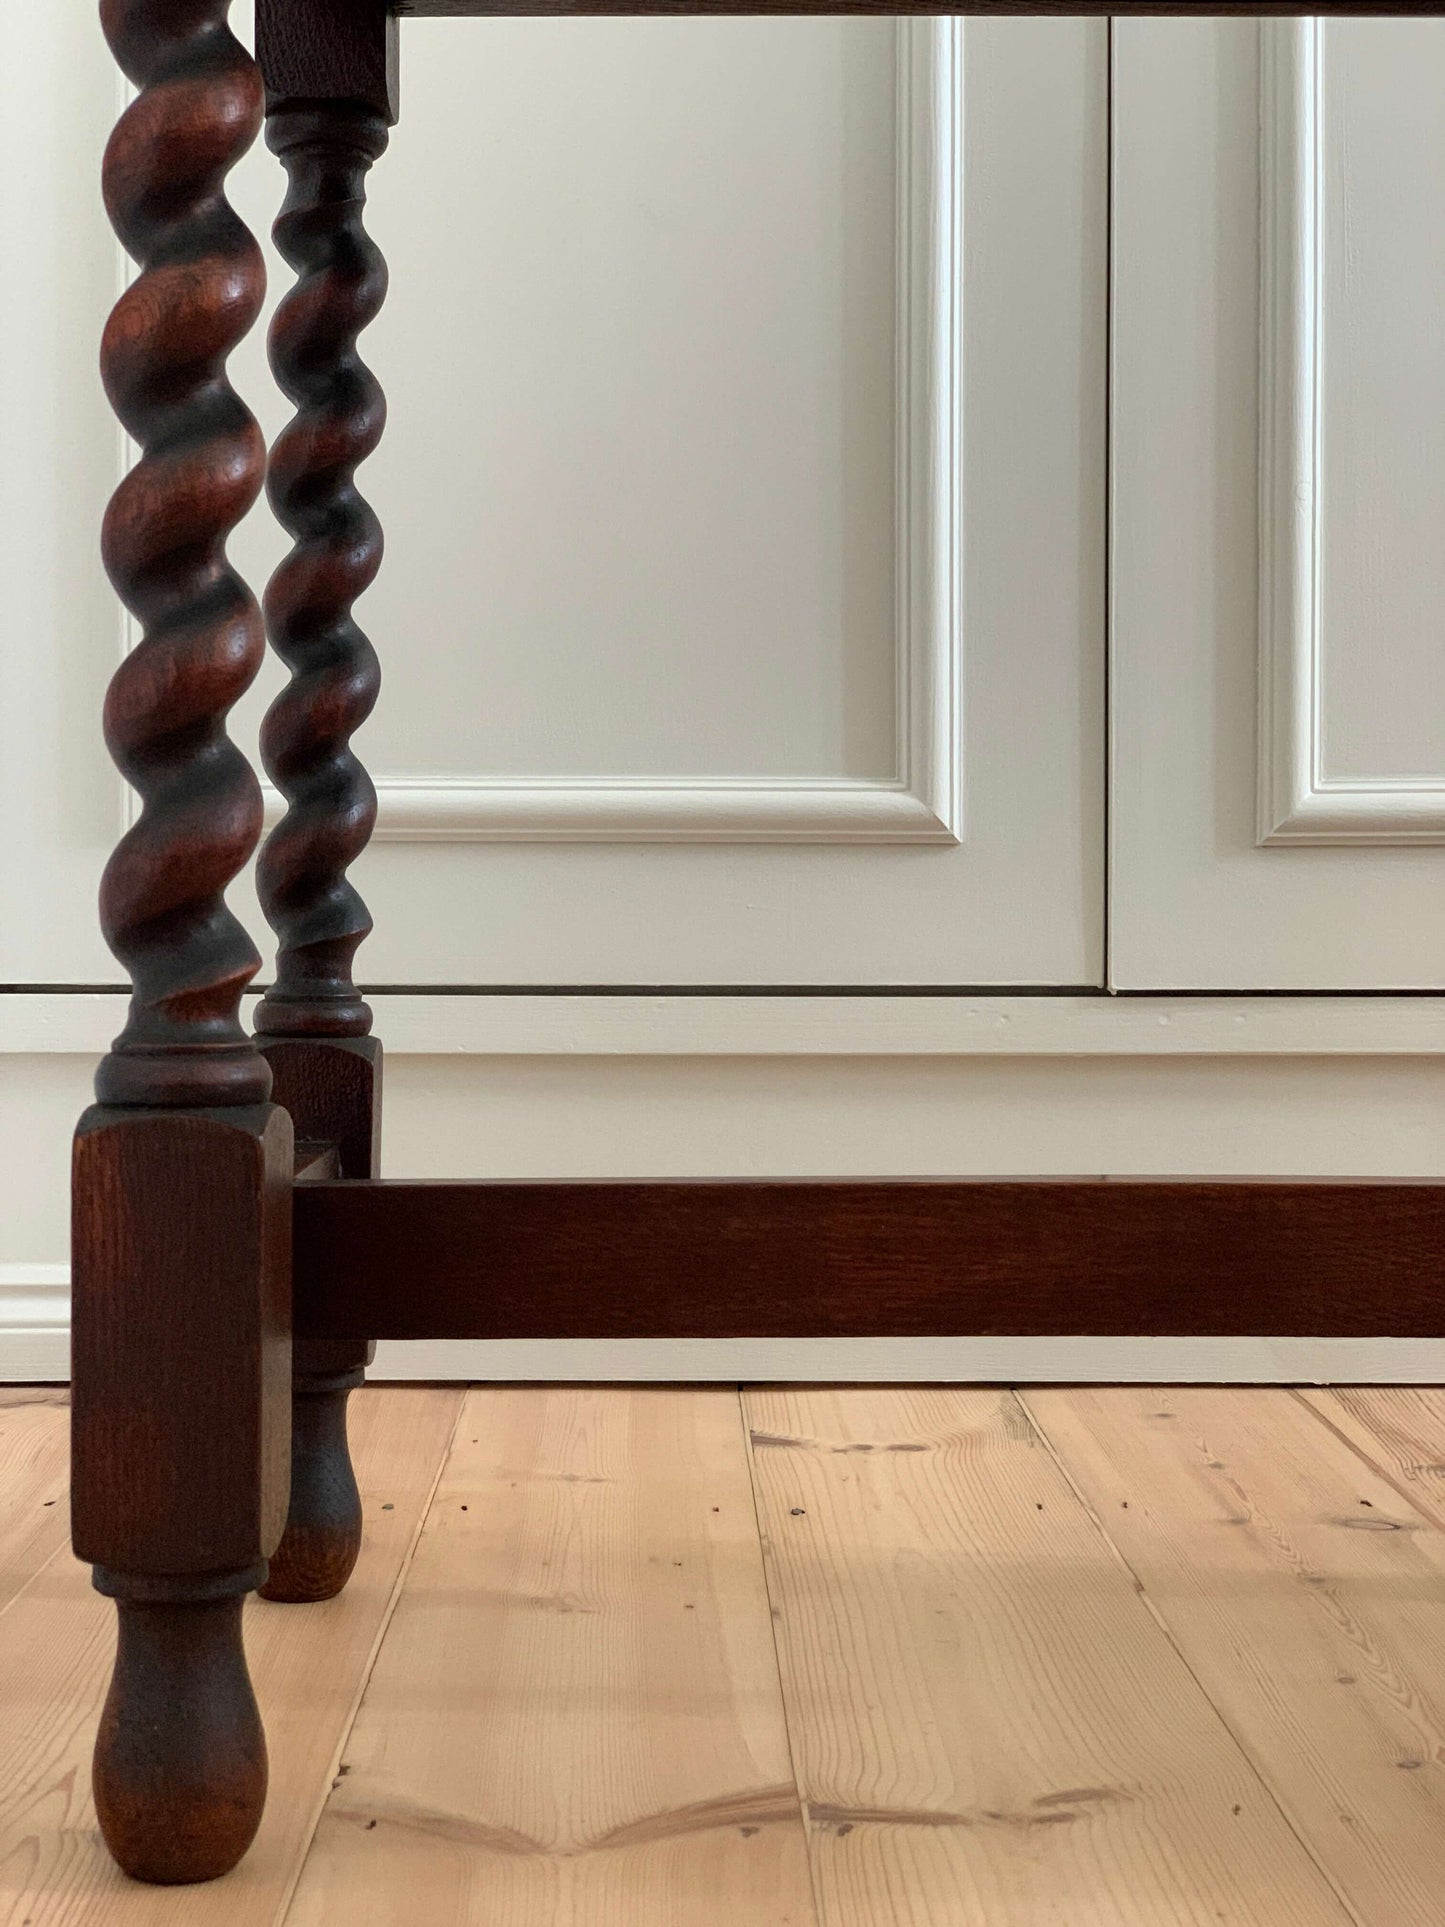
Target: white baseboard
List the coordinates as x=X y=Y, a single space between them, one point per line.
x=34 y=1324
x=993 y=1024
x=35 y=1349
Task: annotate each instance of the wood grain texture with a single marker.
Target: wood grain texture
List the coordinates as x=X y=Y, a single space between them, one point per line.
x=1399 y=1429
x=331 y=1088
x=1305 y=1595
x=671 y=1259
x=34 y=1512
x=989 y=1728
x=328 y=50
x=575 y=1718
x=181 y=1442
x=181 y=1338
x=308 y=1668
x=201 y=464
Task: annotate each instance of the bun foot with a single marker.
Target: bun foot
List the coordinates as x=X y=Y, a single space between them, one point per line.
x=323 y=1526
x=180 y=1758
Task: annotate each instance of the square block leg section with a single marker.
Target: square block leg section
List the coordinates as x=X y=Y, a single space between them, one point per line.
x=180 y=1459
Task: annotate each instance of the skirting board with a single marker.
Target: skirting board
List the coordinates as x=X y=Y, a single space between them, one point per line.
x=679 y=1024
x=35 y=1349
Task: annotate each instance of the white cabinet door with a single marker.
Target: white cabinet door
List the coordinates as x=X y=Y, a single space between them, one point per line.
x=1278 y=785
x=742 y=614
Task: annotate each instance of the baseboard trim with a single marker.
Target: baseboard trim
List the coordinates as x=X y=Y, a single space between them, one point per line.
x=996 y=1024
x=34 y=1324
x=35 y=1349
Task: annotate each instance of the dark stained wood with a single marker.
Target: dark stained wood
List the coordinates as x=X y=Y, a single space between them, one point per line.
x=181 y=1350
x=180 y=1756
x=182 y=1174
x=180 y=1452
x=890 y=1259
x=332 y=1089
x=200 y=468
x=322 y=1540
x=317 y=914
x=328 y=50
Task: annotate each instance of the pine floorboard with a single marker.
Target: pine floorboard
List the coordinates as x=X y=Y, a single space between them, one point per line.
x=308 y=1664
x=989 y=1726
x=575 y=1719
x=34 y=1474
x=805 y=1657
x=1307 y=1596
x=1400 y=1429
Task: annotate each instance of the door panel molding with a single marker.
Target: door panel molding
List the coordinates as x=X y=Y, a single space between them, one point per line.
x=923 y=802
x=1298 y=802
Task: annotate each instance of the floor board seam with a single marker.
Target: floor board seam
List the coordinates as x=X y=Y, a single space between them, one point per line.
x=287 y=1897
x=45 y=1564
x=1267 y=1786
x=819 y=1918
x=1414 y=1500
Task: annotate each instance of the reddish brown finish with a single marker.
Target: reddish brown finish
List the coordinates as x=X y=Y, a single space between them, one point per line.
x=316 y=913
x=181 y=1338
x=182 y=1174
x=322 y=1540
x=328 y=50
x=332 y=1088
x=180 y=1452
x=200 y=468
x=180 y=1758
x=733 y=1260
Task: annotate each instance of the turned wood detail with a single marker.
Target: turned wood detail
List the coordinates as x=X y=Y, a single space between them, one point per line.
x=200 y=468
x=331 y=1087
x=317 y=914
x=182 y=1173
x=180 y=1756
x=180 y=1431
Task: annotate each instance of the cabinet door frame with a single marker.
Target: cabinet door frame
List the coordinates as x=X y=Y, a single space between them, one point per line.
x=1235 y=865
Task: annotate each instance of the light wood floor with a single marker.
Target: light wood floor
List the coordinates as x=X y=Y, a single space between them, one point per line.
x=656 y=1657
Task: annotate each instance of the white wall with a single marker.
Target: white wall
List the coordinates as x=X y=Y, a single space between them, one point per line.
x=744 y=621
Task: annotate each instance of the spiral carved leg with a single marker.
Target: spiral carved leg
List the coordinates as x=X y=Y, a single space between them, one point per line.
x=312 y=1021
x=163 y=360
x=180 y=1759
x=318 y=916
x=181 y=1345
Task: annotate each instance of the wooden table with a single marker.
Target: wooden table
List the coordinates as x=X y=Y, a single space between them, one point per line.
x=226 y=1186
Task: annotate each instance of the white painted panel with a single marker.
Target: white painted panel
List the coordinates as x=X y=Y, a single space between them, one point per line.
x=842 y=593
x=1352 y=406
x=1211 y=705
x=1382 y=97
x=822 y=488
x=59 y=457
x=640 y=356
